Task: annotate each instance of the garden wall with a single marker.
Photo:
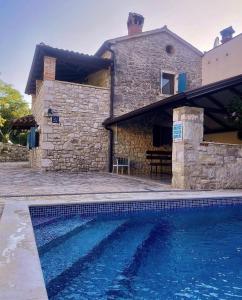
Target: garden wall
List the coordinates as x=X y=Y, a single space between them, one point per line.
x=203 y=165
x=11 y=152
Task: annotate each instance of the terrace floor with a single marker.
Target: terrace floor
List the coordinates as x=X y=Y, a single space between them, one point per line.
x=17 y=179
x=18 y=182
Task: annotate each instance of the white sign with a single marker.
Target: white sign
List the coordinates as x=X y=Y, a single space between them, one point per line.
x=177 y=132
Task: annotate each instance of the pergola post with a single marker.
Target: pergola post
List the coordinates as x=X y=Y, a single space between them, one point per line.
x=187 y=136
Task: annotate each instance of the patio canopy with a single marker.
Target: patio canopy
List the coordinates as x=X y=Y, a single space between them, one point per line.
x=23 y=123
x=70 y=66
x=214 y=98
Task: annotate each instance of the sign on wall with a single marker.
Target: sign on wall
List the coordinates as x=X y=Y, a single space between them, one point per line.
x=177 y=131
x=55 y=119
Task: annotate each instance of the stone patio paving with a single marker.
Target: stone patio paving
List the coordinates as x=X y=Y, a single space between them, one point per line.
x=17 y=179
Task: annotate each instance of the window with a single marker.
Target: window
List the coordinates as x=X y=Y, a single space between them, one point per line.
x=167 y=83
x=170 y=49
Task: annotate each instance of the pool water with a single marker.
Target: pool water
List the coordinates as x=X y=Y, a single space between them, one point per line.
x=182 y=254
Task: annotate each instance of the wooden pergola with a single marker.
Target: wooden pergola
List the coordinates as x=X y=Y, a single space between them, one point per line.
x=23 y=123
x=214 y=98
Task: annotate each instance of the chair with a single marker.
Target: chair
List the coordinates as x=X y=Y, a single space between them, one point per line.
x=121 y=163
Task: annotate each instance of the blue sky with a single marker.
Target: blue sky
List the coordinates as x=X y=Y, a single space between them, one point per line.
x=82 y=25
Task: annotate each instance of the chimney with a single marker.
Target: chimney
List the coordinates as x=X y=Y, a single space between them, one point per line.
x=135 y=23
x=227 y=34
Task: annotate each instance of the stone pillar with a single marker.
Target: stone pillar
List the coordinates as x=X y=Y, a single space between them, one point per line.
x=49 y=68
x=185 y=147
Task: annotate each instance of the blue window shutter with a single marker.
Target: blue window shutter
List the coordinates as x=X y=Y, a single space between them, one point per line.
x=28 y=140
x=32 y=137
x=182 y=82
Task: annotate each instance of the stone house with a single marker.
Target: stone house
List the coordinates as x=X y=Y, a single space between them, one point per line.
x=90 y=109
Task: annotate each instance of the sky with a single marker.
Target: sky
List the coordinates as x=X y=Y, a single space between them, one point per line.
x=83 y=25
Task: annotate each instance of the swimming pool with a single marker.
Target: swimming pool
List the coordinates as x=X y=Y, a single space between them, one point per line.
x=187 y=253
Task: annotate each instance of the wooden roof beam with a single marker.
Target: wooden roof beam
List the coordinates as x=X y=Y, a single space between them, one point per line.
x=218 y=121
x=234 y=91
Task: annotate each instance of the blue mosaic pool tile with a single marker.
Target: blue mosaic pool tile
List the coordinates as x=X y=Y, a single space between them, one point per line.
x=88 y=209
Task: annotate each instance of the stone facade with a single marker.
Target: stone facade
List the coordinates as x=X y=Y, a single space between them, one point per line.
x=203 y=165
x=79 y=142
x=100 y=78
x=11 y=152
x=132 y=140
x=138 y=65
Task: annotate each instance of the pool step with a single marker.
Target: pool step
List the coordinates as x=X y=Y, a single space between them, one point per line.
x=122 y=284
x=104 y=268
x=61 y=257
x=41 y=222
x=59 y=238
x=48 y=232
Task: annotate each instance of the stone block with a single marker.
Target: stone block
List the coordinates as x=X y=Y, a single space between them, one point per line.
x=47 y=146
x=46 y=163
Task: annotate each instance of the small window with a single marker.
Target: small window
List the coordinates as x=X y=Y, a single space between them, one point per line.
x=170 y=49
x=167 y=83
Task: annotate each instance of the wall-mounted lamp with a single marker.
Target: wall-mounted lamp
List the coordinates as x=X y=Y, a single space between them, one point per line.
x=50 y=112
x=54 y=117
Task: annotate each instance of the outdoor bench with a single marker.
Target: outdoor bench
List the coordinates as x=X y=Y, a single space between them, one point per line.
x=159 y=159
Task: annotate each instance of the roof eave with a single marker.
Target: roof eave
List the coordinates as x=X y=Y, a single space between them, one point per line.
x=42 y=50
x=36 y=52
x=194 y=93
x=140 y=111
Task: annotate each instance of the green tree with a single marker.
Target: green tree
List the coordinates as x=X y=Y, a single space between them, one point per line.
x=12 y=106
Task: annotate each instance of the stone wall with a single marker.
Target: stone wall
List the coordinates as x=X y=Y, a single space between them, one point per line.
x=35 y=158
x=11 y=152
x=79 y=141
x=219 y=166
x=132 y=140
x=230 y=137
x=100 y=78
x=203 y=165
x=38 y=109
x=138 y=66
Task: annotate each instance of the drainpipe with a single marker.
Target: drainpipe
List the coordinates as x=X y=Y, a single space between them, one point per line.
x=110 y=148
